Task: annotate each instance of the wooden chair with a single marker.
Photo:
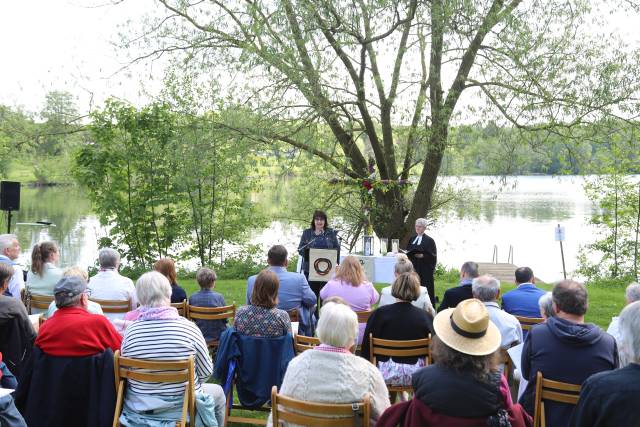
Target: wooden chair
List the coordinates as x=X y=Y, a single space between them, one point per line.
x=294 y=316
x=155 y=371
x=410 y=348
x=555 y=391
x=211 y=313
x=363 y=316
x=302 y=343
x=286 y=409
x=41 y=302
x=181 y=307
x=529 y=322
x=113 y=306
x=505 y=359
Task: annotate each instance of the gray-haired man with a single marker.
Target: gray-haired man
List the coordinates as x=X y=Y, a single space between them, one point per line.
x=487 y=289
x=108 y=284
x=9 y=252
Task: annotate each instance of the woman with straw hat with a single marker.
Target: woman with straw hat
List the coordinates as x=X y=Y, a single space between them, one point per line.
x=464 y=387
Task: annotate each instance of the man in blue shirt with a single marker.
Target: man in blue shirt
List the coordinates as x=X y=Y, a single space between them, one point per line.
x=523 y=301
x=294 y=291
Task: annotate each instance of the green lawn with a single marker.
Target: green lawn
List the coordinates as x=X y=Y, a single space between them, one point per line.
x=604 y=302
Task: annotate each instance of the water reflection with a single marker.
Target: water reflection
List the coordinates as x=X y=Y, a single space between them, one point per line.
x=520 y=212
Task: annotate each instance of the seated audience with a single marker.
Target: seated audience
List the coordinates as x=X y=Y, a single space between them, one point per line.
x=330 y=373
x=351 y=284
x=546 y=306
x=262 y=318
x=610 y=399
x=75 y=271
x=632 y=294
x=206 y=297
x=566 y=349
x=487 y=290
x=72 y=331
x=44 y=274
x=9 y=415
x=294 y=292
x=108 y=284
x=160 y=333
x=403 y=265
x=9 y=253
x=464 y=386
x=16 y=330
x=523 y=301
x=167 y=267
x=453 y=296
x=399 y=321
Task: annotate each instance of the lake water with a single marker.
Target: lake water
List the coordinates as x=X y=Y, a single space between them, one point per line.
x=520 y=213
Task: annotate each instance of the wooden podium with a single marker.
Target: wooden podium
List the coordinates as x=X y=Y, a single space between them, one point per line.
x=322 y=264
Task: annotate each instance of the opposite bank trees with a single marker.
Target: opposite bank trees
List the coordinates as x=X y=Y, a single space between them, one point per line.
x=357 y=71
x=166 y=183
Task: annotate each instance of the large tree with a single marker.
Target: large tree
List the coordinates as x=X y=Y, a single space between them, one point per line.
x=386 y=79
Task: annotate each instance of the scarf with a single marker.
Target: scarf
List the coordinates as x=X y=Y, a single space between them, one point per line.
x=157 y=313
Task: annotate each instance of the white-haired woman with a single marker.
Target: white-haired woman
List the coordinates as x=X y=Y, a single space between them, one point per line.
x=160 y=333
x=330 y=373
x=403 y=265
x=422 y=252
x=545 y=302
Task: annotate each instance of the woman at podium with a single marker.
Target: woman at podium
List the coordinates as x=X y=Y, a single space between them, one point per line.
x=317 y=236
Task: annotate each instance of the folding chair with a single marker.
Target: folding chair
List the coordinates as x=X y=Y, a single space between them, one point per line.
x=555 y=391
x=395 y=348
x=113 y=306
x=286 y=409
x=302 y=343
x=159 y=372
x=363 y=316
x=181 y=307
x=529 y=322
x=211 y=313
x=41 y=302
x=294 y=316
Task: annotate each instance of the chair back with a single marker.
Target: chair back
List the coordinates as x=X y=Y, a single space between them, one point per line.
x=363 y=316
x=211 y=313
x=505 y=359
x=181 y=307
x=529 y=322
x=155 y=371
x=294 y=316
x=555 y=391
x=113 y=306
x=286 y=409
x=40 y=302
x=397 y=348
x=302 y=343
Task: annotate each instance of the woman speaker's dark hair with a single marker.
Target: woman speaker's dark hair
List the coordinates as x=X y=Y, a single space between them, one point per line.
x=319 y=214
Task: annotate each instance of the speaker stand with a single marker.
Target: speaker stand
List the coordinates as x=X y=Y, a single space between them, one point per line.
x=8 y=222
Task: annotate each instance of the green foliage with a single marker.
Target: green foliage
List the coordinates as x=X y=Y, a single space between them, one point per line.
x=160 y=179
x=617 y=197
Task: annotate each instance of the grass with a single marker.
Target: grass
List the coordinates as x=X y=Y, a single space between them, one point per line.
x=604 y=302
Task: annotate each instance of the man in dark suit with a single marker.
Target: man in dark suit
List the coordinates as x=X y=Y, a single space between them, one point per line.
x=453 y=296
x=422 y=252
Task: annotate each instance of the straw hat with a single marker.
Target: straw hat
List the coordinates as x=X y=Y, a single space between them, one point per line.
x=467 y=328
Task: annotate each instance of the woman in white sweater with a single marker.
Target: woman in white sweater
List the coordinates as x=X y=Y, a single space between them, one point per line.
x=330 y=373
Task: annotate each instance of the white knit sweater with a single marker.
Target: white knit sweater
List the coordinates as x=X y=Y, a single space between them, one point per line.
x=326 y=377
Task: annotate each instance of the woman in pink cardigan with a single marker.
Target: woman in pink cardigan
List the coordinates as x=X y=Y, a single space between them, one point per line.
x=351 y=284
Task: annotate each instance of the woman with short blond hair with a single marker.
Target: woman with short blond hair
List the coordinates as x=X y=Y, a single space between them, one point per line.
x=351 y=284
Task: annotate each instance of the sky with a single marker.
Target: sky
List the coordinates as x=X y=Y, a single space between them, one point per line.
x=68 y=45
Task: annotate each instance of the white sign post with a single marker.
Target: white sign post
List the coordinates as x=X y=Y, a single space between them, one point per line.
x=560 y=237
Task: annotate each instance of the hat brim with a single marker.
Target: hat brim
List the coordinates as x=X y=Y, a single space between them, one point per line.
x=488 y=344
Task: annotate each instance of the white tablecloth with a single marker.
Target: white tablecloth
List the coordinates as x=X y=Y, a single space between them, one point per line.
x=383 y=267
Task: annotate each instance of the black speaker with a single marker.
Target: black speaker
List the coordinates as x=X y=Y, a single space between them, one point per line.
x=9 y=196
